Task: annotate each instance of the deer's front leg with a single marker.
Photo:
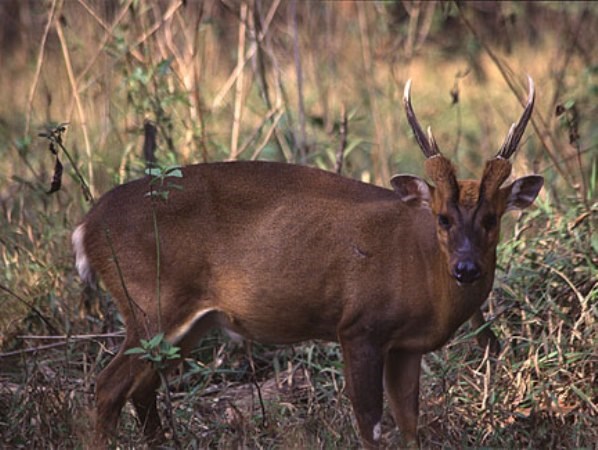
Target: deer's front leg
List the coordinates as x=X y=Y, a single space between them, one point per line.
x=401 y=381
x=363 y=373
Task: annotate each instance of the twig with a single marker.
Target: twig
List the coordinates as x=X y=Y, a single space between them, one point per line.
x=272 y=130
x=66 y=339
x=169 y=409
x=38 y=67
x=184 y=67
x=249 y=141
x=84 y=186
x=93 y=14
x=105 y=39
x=255 y=383
x=281 y=99
x=33 y=350
x=379 y=163
x=202 y=123
x=413 y=11
x=455 y=101
x=74 y=337
x=30 y=306
x=343 y=130
x=155 y=27
x=426 y=25
x=80 y=110
x=261 y=67
x=501 y=68
x=132 y=303
x=569 y=53
x=302 y=141
x=239 y=83
x=158 y=265
x=252 y=49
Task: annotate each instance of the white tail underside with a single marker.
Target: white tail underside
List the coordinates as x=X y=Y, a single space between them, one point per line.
x=81 y=260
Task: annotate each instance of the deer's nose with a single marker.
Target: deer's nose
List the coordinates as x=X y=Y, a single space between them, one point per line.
x=466 y=271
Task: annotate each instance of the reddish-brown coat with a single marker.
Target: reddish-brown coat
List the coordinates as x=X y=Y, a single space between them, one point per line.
x=282 y=253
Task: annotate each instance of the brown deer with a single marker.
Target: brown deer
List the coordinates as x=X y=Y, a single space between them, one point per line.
x=280 y=253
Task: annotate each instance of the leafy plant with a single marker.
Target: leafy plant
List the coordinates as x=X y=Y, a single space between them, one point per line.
x=156 y=350
x=160 y=176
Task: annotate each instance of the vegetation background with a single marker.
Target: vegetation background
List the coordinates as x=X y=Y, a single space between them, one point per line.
x=272 y=79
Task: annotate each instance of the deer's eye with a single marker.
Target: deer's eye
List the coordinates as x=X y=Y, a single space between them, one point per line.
x=444 y=221
x=489 y=221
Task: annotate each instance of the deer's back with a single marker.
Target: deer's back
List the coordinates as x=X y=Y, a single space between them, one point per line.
x=245 y=234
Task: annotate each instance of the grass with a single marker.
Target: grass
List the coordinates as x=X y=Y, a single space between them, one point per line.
x=56 y=336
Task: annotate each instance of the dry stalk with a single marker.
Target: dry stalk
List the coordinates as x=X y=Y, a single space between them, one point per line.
x=302 y=141
x=250 y=52
x=258 y=31
x=184 y=68
x=239 y=83
x=73 y=337
x=77 y=98
x=38 y=66
x=93 y=14
x=267 y=118
x=379 y=163
x=343 y=130
x=538 y=123
x=273 y=129
x=156 y=26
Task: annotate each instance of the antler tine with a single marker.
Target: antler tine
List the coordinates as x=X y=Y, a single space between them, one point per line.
x=427 y=144
x=517 y=129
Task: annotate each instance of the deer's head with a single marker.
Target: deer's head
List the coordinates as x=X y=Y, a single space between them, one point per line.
x=468 y=212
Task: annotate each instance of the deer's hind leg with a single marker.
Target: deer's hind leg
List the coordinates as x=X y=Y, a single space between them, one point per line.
x=126 y=377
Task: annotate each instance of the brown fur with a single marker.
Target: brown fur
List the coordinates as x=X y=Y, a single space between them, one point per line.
x=495 y=174
x=469 y=193
x=281 y=253
x=440 y=170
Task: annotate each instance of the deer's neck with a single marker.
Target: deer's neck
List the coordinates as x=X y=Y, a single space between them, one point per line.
x=458 y=301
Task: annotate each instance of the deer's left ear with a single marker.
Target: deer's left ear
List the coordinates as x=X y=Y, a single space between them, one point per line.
x=522 y=192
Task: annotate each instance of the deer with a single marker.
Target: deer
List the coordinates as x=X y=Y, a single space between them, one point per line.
x=281 y=253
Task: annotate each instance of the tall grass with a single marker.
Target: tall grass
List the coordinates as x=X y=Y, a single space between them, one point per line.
x=106 y=67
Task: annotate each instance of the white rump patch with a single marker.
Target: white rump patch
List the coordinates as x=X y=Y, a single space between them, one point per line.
x=377 y=433
x=81 y=260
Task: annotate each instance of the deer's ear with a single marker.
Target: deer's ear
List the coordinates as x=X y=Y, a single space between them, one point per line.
x=522 y=192
x=411 y=188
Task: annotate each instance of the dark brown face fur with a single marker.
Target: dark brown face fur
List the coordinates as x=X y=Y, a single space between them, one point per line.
x=468 y=232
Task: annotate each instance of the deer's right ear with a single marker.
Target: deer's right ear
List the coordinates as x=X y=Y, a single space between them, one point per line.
x=411 y=188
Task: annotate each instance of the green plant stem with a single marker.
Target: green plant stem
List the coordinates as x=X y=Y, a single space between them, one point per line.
x=157 y=235
x=132 y=302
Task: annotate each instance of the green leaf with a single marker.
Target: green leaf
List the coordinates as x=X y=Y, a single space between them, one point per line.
x=134 y=351
x=173 y=352
x=569 y=104
x=164 y=66
x=155 y=341
x=177 y=173
x=153 y=171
